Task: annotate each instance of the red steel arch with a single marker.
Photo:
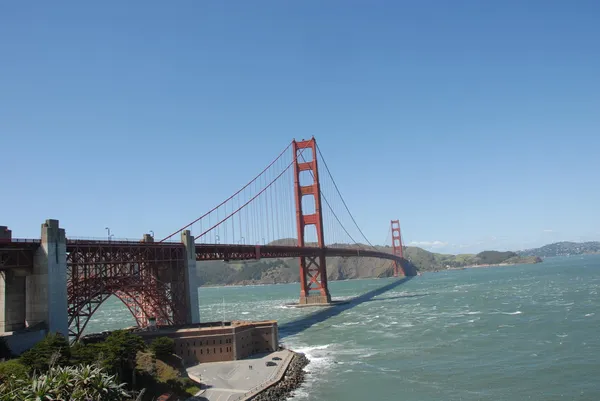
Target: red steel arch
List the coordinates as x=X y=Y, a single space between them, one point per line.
x=149 y=278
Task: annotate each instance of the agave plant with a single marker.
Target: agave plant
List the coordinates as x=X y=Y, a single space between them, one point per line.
x=74 y=383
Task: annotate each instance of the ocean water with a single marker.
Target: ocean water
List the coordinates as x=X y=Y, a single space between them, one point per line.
x=528 y=332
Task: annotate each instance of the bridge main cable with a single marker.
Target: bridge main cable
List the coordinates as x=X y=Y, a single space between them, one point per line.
x=254 y=197
x=329 y=205
x=231 y=197
x=343 y=201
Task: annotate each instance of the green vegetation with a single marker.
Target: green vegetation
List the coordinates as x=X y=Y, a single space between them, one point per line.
x=494 y=257
x=75 y=383
x=120 y=367
x=225 y=273
x=286 y=270
x=428 y=261
x=162 y=376
x=38 y=358
x=120 y=350
x=162 y=347
x=13 y=370
x=563 y=249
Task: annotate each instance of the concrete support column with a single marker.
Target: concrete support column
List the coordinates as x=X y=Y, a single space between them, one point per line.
x=12 y=294
x=191 y=287
x=46 y=292
x=12 y=301
x=5 y=234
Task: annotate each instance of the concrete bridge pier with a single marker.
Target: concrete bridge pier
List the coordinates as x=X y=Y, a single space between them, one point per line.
x=12 y=294
x=191 y=286
x=46 y=288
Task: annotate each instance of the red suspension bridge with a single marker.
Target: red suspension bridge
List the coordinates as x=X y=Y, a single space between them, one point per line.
x=291 y=209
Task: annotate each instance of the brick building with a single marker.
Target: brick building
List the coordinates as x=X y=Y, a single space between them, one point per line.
x=219 y=341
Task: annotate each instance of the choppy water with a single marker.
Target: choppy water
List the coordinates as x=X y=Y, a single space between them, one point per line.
x=511 y=333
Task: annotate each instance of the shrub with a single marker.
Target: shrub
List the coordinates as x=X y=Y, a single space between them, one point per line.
x=12 y=370
x=162 y=347
x=38 y=358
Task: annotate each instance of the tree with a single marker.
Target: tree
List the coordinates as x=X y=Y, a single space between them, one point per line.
x=38 y=358
x=87 y=354
x=162 y=347
x=121 y=348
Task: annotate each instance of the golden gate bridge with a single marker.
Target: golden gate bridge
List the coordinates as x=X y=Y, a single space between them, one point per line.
x=292 y=209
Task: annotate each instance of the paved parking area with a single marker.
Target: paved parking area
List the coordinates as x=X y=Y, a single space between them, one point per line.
x=229 y=381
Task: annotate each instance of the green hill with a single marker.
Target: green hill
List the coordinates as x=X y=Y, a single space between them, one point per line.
x=273 y=271
x=563 y=249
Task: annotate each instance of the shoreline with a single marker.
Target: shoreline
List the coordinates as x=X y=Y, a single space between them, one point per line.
x=268 y=377
x=491 y=265
x=292 y=379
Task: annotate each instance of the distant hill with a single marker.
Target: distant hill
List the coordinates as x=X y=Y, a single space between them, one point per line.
x=563 y=249
x=272 y=271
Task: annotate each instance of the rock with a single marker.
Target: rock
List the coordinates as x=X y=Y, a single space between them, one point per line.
x=294 y=377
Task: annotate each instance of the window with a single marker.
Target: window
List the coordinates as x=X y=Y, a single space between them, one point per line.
x=221 y=349
x=208 y=351
x=200 y=352
x=220 y=341
x=214 y=350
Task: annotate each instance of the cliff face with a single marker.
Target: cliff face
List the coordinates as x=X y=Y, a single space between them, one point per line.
x=273 y=271
x=286 y=271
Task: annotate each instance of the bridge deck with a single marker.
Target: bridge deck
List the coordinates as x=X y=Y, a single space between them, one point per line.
x=204 y=251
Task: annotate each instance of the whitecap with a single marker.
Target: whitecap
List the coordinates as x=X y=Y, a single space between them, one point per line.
x=590 y=314
x=512 y=313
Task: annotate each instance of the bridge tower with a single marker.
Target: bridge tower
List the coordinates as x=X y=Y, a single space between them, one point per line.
x=397 y=247
x=313 y=270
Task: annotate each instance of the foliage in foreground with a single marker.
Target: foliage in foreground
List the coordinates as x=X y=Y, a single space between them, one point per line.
x=38 y=358
x=54 y=370
x=12 y=370
x=75 y=383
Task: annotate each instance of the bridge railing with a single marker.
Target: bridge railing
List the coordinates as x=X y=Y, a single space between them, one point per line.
x=21 y=240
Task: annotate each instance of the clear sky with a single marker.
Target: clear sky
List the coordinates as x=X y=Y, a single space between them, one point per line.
x=476 y=123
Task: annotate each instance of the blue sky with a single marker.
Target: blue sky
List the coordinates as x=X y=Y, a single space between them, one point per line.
x=477 y=124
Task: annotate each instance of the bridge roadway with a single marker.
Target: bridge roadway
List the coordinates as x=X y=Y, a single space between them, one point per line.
x=18 y=253
x=66 y=280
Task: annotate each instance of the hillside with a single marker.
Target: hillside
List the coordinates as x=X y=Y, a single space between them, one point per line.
x=272 y=271
x=563 y=249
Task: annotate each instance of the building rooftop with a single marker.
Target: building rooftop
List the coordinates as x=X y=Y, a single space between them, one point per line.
x=207 y=326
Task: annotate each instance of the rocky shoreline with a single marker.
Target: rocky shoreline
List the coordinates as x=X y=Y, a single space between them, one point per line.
x=294 y=377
